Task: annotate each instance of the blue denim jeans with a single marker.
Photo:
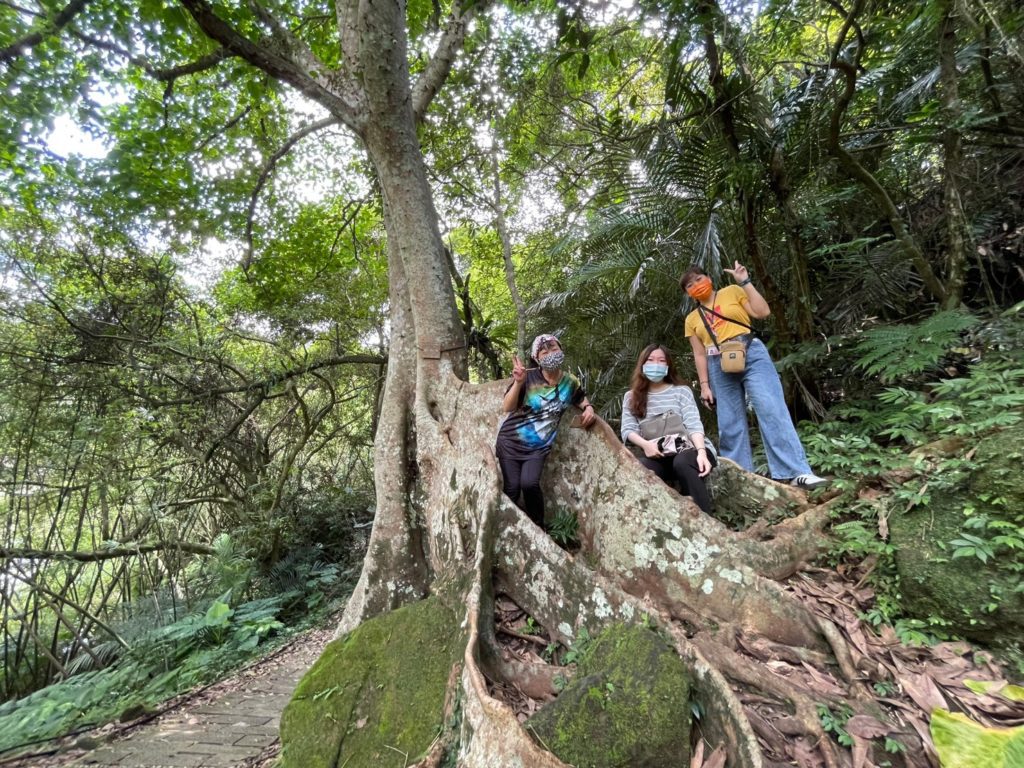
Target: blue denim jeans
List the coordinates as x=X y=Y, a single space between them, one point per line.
x=760 y=380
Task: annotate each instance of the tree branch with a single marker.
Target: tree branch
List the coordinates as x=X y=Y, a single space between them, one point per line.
x=99 y=555
x=858 y=172
x=48 y=28
x=169 y=75
x=280 y=59
x=440 y=64
x=270 y=381
x=268 y=168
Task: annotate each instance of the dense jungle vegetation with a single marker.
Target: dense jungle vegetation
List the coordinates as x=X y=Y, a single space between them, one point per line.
x=194 y=297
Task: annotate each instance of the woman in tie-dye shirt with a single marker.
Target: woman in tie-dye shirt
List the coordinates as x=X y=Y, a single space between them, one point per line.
x=535 y=402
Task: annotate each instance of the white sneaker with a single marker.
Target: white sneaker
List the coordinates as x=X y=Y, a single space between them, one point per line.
x=808 y=481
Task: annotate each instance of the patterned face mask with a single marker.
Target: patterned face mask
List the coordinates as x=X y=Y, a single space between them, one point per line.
x=552 y=361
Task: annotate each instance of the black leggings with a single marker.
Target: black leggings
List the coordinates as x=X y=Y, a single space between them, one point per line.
x=524 y=475
x=683 y=467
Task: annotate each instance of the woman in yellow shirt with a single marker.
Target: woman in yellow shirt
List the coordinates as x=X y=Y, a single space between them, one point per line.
x=725 y=315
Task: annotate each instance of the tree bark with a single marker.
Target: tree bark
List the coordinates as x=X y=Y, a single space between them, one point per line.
x=958 y=238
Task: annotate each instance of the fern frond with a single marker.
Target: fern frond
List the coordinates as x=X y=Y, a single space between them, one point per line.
x=896 y=351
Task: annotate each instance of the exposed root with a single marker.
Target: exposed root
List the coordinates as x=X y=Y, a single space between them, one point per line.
x=756 y=676
x=525 y=638
x=839 y=648
x=446 y=739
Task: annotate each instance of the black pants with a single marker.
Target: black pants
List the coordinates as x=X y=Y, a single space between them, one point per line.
x=683 y=468
x=524 y=475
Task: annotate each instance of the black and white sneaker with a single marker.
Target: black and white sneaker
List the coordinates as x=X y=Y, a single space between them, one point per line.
x=808 y=482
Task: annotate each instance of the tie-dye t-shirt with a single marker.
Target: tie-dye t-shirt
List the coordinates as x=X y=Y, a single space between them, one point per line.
x=531 y=428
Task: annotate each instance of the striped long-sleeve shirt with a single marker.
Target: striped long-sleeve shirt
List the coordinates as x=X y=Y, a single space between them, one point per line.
x=677 y=397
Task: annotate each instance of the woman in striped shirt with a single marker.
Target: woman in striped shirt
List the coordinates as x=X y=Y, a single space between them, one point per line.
x=657 y=388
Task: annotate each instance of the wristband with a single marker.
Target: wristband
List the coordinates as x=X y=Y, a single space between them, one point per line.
x=743 y=283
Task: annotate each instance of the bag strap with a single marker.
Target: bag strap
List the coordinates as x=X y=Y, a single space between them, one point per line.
x=707 y=326
x=700 y=310
x=729 y=319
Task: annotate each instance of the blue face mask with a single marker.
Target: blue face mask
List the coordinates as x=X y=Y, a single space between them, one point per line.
x=655 y=371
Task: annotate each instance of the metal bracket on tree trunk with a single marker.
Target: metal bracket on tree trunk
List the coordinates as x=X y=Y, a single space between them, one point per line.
x=431 y=350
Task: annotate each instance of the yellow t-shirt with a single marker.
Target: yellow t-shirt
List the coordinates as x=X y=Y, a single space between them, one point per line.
x=731 y=302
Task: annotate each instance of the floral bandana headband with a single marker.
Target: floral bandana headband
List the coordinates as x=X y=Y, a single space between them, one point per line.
x=539 y=342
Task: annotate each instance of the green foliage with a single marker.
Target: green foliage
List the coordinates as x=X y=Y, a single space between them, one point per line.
x=866 y=442
x=893 y=352
x=162 y=663
x=229 y=568
x=564 y=529
x=170 y=655
x=579 y=648
x=833 y=722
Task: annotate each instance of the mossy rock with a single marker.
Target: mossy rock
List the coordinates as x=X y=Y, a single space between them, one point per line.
x=629 y=705
x=376 y=696
x=978 y=599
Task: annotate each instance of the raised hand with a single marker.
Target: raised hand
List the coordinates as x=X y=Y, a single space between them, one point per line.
x=518 y=371
x=739 y=272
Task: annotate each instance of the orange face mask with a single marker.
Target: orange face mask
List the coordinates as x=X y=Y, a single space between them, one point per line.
x=700 y=289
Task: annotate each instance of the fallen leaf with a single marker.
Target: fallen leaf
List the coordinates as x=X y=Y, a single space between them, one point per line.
x=804 y=754
x=866 y=727
x=924 y=692
x=859 y=752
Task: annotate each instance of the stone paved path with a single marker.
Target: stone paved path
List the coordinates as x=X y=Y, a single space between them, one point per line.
x=233 y=723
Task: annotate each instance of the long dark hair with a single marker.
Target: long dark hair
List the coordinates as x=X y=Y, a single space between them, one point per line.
x=640 y=385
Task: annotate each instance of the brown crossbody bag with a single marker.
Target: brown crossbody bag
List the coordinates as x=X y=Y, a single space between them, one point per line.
x=734 y=351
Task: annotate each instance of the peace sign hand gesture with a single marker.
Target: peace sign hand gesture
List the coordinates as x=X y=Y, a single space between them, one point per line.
x=518 y=371
x=739 y=272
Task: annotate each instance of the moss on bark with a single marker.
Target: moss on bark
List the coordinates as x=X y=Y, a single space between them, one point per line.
x=629 y=705
x=376 y=696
